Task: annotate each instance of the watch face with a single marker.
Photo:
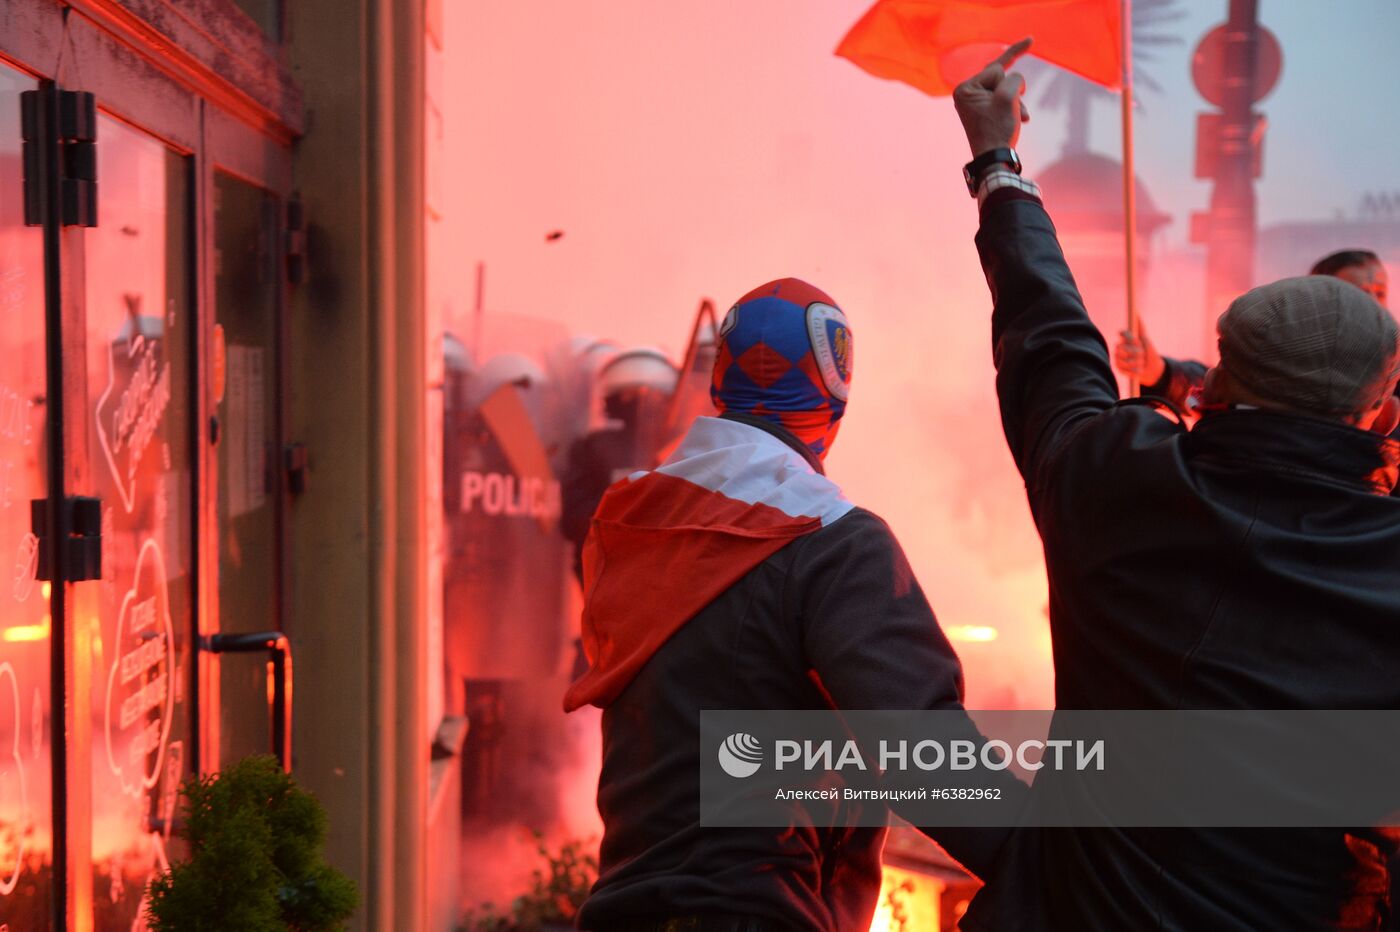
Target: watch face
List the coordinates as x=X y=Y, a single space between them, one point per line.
x=974 y=170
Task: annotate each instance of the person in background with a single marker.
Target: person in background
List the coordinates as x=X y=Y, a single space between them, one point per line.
x=636 y=386
x=1176 y=379
x=1250 y=563
x=736 y=575
x=1361 y=267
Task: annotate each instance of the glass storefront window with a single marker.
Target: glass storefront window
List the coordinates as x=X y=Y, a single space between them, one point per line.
x=26 y=822
x=138 y=376
x=246 y=285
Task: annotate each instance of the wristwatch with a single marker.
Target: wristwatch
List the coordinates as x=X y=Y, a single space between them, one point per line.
x=973 y=171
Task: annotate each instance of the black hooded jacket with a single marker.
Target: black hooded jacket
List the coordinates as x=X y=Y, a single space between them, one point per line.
x=833 y=619
x=1180 y=377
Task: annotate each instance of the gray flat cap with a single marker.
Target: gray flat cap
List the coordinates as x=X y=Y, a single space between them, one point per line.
x=1315 y=344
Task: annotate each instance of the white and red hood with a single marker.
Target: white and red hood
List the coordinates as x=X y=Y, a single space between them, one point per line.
x=665 y=543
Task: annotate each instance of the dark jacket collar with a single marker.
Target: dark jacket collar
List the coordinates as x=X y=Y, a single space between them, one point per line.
x=1299 y=445
x=782 y=433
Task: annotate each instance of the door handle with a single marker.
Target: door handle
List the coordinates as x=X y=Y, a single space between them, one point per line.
x=279 y=651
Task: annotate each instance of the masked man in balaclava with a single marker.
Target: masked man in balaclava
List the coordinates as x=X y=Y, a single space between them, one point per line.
x=737 y=576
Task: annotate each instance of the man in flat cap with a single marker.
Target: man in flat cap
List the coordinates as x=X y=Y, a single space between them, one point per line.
x=1251 y=563
x=1316 y=346
x=1179 y=381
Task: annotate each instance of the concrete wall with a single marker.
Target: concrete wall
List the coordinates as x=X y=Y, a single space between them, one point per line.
x=358 y=590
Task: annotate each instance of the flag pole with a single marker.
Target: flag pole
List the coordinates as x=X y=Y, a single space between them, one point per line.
x=1129 y=183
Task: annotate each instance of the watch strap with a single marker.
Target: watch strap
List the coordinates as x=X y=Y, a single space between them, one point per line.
x=1003 y=156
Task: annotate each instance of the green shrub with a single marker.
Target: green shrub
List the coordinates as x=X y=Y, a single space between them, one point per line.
x=256 y=862
x=557 y=892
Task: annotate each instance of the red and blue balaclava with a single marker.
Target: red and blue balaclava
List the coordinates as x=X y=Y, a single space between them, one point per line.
x=785 y=356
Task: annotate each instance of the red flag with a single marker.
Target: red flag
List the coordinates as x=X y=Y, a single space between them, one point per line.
x=936 y=44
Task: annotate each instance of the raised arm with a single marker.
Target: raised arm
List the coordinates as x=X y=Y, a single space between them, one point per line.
x=1052 y=364
x=1161 y=376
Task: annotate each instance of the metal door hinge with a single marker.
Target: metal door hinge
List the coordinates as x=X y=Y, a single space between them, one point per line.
x=296 y=240
x=82 y=542
x=61 y=136
x=297 y=464
x=77 y=130
x=33 y=157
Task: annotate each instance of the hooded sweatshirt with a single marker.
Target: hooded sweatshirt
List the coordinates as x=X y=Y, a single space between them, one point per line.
x=737 y=576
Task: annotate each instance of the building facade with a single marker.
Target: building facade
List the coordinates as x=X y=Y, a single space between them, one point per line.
x=217 y=419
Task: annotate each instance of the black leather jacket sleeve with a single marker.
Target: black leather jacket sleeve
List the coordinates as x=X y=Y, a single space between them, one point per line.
x=1053 y=372
x=1179 y=378
x=872 y=639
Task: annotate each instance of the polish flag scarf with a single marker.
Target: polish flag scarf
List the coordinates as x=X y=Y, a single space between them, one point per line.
x=665 y=543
